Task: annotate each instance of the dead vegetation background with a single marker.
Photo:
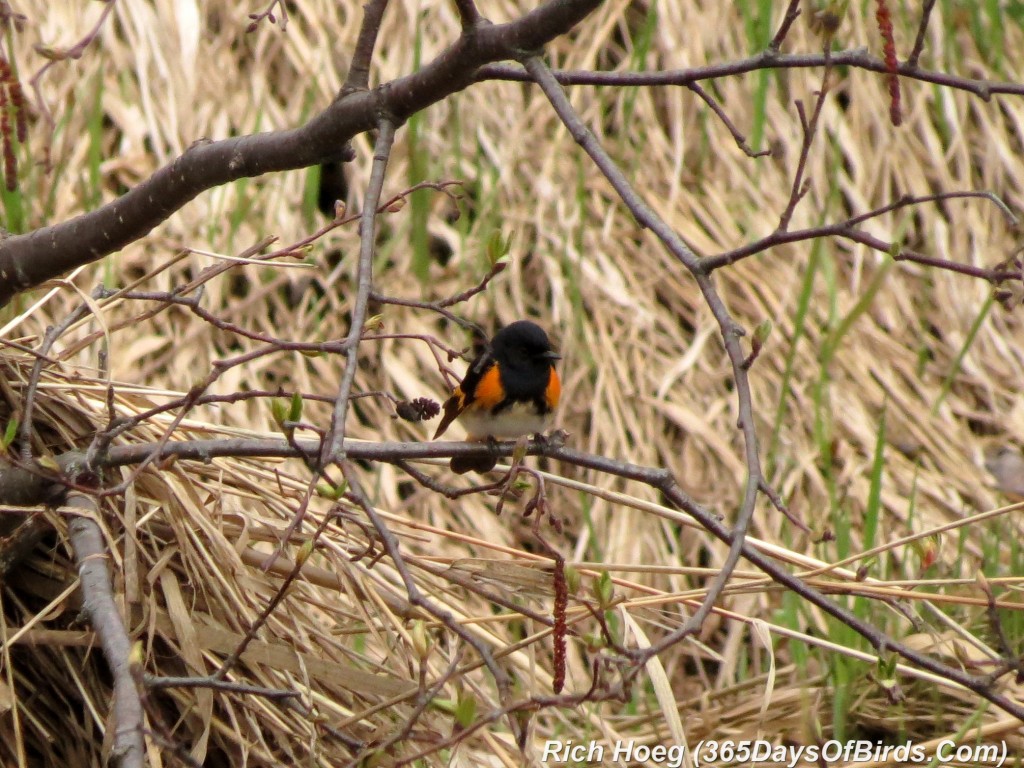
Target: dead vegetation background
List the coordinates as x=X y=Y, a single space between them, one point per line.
x=645 y=379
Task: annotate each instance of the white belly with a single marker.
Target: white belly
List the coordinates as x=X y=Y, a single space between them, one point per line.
x=512 y=422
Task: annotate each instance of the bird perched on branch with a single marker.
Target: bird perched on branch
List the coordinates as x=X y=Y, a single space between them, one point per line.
x=510 y=390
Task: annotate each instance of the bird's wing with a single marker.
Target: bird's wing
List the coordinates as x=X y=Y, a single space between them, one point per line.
x=481 y=383
x=453 y=406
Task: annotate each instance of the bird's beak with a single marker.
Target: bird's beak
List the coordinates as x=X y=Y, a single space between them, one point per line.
x=552 y=355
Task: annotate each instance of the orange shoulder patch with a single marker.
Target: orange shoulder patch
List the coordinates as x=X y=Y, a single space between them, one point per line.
x=553 y=391
x=489 y=390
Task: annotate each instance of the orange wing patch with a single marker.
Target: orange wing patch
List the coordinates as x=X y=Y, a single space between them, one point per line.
x=489 y=390
x=553 y=391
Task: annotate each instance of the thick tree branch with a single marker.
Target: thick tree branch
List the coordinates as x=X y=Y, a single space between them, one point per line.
x=100 y=606
x=28 y=260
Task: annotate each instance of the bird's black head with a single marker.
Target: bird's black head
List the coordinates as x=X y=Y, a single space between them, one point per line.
x=523 y=345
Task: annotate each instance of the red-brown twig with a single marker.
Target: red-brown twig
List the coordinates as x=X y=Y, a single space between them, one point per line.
x=55 y=55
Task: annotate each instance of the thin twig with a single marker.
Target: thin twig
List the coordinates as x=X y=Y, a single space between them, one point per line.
x=792 y=12
x=441 y=306
x=201 y=279
x=425 y=698
x=847 y=229
x=810 y=129
x=448 y=491
x=160 y=683
x=876 y=637
x=857 y=58
x=729 y=329
x=416 y=598
x=53 y=333
x=268 y=12
x=658 y=478
x=781 y=506
x=922 y=28
x=362 y=55
x=333 y=450
x=33 y=257
x=279 y=595
x=67 y=54
x=334 y=442
x=565 y=702
x=739 y=138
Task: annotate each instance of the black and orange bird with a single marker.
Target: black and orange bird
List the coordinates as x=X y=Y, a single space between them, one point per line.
x=511 y=389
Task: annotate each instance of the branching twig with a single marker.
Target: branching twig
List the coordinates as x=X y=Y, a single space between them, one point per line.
x=468 y=14
x=730 y=331
x=877 y=638
x=426 y=696
x=42 y=357
x=416 y=598
x=268 y=13
x=858 y=58
x=194 y=305
x=385 y=108
x=660 y=479
x=810 y=129
x=201 y=279
x=269 y=608
x=594 y=694
x=847 y=229
x=448 y=491
x=333 y=449
x=55 y=55
x=441 y=306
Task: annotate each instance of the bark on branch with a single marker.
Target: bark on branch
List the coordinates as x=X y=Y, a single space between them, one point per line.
x=30 y=259
x=100 y=606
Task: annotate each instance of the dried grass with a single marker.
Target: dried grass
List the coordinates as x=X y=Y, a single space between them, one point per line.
x=645 y=380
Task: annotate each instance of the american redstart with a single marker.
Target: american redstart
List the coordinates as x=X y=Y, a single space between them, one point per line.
x=510 y=390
